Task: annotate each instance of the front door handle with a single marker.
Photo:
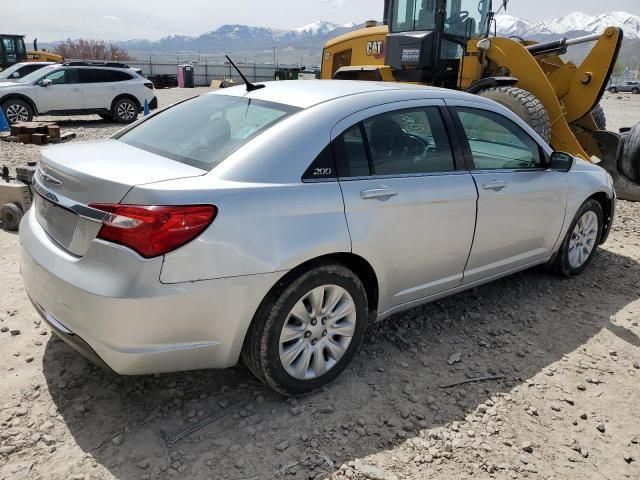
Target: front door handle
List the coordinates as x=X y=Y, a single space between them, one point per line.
x=76 y=89
x=380 y=192
x=495 y=185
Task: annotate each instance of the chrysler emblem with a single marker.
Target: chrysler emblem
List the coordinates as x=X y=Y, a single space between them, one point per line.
x=49 y=179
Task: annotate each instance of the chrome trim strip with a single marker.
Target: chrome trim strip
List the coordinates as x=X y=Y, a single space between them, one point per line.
x=81 y=210
x=57 y=324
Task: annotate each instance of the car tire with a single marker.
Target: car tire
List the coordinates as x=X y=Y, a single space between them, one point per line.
x=125 y=110
x=16 y=110
x=296 y=356
x=635 y=91
x=613 y=90
x=524 y=104
x=10 y=216
x=599 y=117
x=581 y=242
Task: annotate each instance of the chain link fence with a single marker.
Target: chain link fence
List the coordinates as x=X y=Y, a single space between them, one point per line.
x=204 y=73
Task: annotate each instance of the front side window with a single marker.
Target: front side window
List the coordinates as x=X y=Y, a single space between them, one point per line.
x=466 y=18
x=498 y=143
x=203 y=131
x=412 y=15
x=63 y=77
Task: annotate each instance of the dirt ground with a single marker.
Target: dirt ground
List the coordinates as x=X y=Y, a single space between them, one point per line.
x=563 y=402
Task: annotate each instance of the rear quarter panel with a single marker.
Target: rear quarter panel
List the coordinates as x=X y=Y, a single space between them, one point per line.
x=260 y=228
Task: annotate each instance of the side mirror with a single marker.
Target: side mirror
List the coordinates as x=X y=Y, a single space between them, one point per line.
x=562 y=162
x=46 y=82
x=15 y=75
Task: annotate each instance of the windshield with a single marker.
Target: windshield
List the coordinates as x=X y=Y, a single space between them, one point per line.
x=37 y=75
x=464 y=18
x=203 y=131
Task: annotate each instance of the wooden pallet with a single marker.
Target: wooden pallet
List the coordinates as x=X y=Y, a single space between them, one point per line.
x=37 y=133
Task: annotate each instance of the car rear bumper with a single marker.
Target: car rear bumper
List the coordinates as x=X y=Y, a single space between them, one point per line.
x=111 y=307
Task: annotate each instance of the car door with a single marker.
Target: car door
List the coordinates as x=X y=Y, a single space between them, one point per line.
x=521 y=203
x=410 y=207
x=63 y=94
x=99 y=87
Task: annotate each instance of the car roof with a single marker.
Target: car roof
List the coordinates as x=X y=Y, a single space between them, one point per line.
x=307 y=93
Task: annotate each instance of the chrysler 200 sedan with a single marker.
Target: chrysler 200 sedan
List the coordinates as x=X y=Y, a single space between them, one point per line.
x=276 y=224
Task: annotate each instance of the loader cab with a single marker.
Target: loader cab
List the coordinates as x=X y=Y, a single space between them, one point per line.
x=12 y=50
x=427 y=38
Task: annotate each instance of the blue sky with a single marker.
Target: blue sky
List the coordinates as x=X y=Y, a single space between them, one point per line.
x=125 y=19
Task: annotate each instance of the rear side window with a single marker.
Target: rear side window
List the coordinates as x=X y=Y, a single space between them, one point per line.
x=496 y=143
x=402 y=142
x=203 y=131
x=341 y=59
x=116 y=76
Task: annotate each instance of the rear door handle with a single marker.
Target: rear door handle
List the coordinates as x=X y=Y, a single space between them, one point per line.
x=76 y=89
x=495 y=185
x=380 y=192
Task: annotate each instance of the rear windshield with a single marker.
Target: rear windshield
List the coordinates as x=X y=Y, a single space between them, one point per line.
x=205 y=130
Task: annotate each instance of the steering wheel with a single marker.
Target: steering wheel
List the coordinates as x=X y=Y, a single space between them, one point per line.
x=416 y=145
x=459 y=18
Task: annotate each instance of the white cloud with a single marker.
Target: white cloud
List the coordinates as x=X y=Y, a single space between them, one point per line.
x=111 y=19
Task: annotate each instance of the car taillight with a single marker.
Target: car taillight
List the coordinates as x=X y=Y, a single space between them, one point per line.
x=154 y=230
x=148 y=85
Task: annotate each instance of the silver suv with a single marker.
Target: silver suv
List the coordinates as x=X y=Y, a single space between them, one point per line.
x=112 y=90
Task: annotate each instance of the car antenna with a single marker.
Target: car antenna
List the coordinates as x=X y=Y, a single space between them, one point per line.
x=250 y=86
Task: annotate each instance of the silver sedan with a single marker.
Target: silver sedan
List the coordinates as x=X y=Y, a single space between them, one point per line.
x=276 y=224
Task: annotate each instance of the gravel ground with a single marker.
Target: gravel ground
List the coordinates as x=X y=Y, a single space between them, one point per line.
x=565 y=405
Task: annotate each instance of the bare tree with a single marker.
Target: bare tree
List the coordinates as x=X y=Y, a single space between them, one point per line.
x=91 y=50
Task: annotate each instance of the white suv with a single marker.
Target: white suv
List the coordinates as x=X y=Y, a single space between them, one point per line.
x=112 y=90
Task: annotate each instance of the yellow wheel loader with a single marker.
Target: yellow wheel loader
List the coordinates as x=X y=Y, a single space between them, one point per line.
x=448 y=43
x=13 y=50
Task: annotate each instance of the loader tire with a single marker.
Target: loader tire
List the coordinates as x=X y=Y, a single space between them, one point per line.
x=524 y=104
x=630 y=164
x=599 y=117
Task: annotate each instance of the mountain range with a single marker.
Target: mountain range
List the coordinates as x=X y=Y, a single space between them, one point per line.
x=305 y=43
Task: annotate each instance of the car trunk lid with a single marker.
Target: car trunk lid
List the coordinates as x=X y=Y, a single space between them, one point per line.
x=70 y=177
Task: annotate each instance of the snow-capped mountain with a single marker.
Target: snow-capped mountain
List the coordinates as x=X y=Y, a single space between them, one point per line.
x=570 y=24
x=310 y=38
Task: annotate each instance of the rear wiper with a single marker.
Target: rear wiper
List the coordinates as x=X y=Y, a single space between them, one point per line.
x=250 y=86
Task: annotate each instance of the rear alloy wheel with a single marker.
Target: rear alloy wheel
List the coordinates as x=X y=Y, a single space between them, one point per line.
x=125 y=110
x=524 y=104
x=17 y=111
x=581 y=242
x=306 y=331
x=10 y=216
x=635 y=91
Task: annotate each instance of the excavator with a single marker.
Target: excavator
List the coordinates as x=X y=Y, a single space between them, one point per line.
x=454 y=44
x=13 y=50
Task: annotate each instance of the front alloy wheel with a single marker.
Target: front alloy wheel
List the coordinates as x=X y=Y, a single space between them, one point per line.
x=583 y=239
x=17 y=111
x=317 y=332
